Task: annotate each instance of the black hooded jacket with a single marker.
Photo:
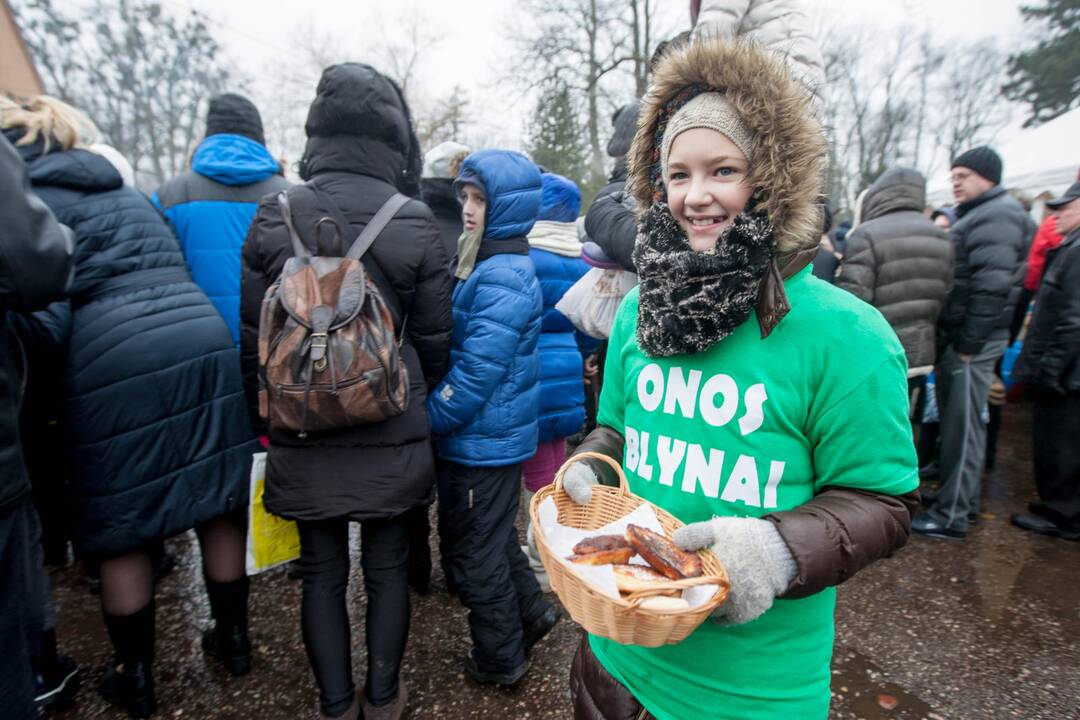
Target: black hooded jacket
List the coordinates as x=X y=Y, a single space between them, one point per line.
x=899 y=261
x=439 y=195
x=1051 y=354
x=159 y=436
x=611 y=223
x=360 y=151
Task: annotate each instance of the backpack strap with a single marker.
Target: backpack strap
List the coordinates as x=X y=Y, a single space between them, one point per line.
x=299 y=249
x=371 y=231
x=387 y=211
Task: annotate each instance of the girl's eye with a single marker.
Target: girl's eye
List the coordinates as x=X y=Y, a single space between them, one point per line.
x=679 y=175
x=726 y=171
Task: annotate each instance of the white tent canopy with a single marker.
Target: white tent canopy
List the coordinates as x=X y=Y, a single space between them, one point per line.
x=1037 y=160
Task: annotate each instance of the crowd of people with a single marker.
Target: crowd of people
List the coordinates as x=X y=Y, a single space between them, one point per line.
x=956 y=284
x=174 y=336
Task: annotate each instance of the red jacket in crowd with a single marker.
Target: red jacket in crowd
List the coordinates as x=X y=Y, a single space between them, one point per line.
x=1046 y=239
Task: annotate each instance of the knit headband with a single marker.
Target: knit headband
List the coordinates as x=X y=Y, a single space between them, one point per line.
x=710 y=110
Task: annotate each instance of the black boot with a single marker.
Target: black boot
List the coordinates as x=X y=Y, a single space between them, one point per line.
x=228 y=639
x=128 y=681
x=535 y=631
x=56 y=677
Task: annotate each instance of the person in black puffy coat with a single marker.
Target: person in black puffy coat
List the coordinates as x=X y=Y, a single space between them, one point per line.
x=361 y=149
x=158 y=433
x=35 y=269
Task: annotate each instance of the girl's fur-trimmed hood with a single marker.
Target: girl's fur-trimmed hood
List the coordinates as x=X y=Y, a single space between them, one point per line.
x=789 y=151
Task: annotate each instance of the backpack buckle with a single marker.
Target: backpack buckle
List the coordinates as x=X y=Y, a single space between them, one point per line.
x=317 y=350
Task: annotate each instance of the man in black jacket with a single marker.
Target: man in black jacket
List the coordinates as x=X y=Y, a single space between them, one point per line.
x=1050 y=365
x=35 y=269
x=990 y=238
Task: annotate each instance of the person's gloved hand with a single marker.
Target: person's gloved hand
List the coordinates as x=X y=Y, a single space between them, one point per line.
x=758 y=563
x=578 y=482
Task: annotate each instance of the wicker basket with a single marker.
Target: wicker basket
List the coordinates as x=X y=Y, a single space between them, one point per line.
x=622 y=620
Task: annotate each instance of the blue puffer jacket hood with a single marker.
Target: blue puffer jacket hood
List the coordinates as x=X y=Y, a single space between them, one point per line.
x=511 y=183
x=561 y=200
x=233 y=160
x=210 y=209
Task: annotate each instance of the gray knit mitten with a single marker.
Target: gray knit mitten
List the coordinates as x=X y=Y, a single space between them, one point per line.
x=578 y=482
x=758 y=563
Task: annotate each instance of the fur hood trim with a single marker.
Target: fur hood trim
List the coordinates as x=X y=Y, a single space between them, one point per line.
x=789 y=147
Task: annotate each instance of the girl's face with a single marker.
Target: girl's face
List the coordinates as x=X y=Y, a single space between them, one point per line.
x=706 y=184
x=473 y=207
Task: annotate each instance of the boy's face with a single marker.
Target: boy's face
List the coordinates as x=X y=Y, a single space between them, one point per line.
x=706 y=184
x=473 y=207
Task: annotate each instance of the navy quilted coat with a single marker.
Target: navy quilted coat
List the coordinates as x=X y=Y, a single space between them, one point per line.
x=485 y=410
x=159 y=432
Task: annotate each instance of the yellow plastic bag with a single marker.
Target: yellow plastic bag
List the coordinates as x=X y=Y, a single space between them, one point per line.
x=271 y=540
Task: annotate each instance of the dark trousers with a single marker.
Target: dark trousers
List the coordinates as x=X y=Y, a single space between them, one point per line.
x=20 y=607
x=477 y=507
x=962 y=389
x=1056 y=442
x=419 y=549
x=324 y=562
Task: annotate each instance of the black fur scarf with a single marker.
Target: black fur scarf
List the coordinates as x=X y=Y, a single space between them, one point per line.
x=690 y=300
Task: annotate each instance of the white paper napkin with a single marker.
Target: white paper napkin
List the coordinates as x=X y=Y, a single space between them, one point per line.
x=562 y=539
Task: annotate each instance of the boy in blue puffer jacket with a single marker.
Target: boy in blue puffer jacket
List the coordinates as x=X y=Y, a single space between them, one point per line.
x=485 y=414
x=210 y=207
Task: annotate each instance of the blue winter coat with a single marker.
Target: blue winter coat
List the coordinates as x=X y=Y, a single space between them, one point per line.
x=556 y=253
x=160 y=438
x=211 y=207
x=562 y=389
x=485 y=410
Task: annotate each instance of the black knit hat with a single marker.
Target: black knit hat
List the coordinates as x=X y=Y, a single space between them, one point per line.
x=982 y=160
x=826 y=216
x=625 y=123
x=235 y=115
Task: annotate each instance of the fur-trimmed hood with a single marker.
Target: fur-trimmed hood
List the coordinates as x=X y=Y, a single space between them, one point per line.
x=789 y=149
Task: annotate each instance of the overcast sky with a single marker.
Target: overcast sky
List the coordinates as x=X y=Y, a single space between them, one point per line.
x=470 y=45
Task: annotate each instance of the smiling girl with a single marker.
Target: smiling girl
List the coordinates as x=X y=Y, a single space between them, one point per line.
x=728 y=405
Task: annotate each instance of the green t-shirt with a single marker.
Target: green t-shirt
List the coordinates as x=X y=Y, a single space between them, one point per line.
x=746 y=428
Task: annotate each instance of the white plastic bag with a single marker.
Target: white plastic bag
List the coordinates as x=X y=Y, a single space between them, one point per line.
x=590 y=304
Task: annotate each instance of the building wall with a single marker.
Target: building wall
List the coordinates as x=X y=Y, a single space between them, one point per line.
x=18 y=77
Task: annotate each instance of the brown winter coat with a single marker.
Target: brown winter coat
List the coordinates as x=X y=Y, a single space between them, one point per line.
x=841 y=530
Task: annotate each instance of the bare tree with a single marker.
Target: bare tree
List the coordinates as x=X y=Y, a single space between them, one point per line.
x=447 y=121
x=930 y=61
x=641 y=33
x=973 y=109
x=401 y=59
x=142 y=74
x=907 y=100
x=582 y=44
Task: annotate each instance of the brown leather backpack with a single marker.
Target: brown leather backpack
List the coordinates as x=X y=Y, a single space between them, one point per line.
x=328 y=353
